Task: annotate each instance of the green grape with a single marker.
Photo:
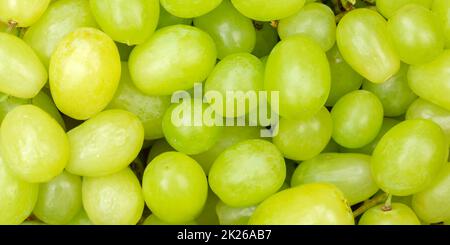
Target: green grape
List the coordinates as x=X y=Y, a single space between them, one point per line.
x=182 y=133
x=349 y=172
x=389 y=7
x=331 y=147
x=124 y=51
x=149 y=109
x=399 y=214
x=17 y=197
x=114 y=199
x=7 y=103
x=126 y=21
x=298 y=68
x=409 y=156
x=343 y=78
x=166 y=19
x=266 y=39
x=160 y=146
x=189 y=8
x=21 y=72
x=309 y=204
x=58 y=21
x=442 y=9
x=240 y=72
x=267 y=10
x=357 y=119
x=33 y=144
x=426 y=110
x=303 y=139
x=84 y=73
x=432 y=205
x=80 y=219
x=59 y=200
x=22 y=13
x=175 y=187
x=365 y=44
x=394 y=94
x=105 y=144
x=315 y=20
x=417 y=34
x=430 y=81
x=232 y=32
x=174 y=58
x=153 y=220
x=209 y=215
x=247 y=173
x=233 y=216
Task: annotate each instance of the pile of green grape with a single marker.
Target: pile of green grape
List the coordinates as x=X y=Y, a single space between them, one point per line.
x=88 y=134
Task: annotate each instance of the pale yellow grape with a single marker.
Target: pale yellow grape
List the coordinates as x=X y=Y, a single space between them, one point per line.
x=23 y=13
x=189 y=8
x=399 y=214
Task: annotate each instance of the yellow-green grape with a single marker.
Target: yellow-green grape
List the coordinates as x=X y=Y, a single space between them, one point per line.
x=247 y=173
x=315 y=20
x=22 y=74
x=426 y=110
x=43 y=101
x=17 y=197
x=347 y=171
x=149 y=109
x=430 y=81
x=59 y=200
x=298 y=68
x=399 y=214
x=153 y=220
x=174 y=58
x=266 y=39
x=114 y=199
x=209 y=215
x=7 y=103
x=189 y=8
x=365 y=44
x=105 y=144
x=357 y=119
x=60 y=19
x=126 y=21
x=309 y=204
x=409 y=156
x=442 y=9
x=22 y=13
x=432 y=205
x=389 y=7
x=80 y=219
x=167 y=19
x=267 y=10
x=233 y=216
x=33 y=144
x=3 y=27
x=84 y=73
x=242 y=72
x=175 y=187
x=417 y=34
x=160 y=146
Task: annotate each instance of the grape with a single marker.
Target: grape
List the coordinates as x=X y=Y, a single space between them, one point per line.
x=160 y=146
x=232 y=32
x=58 y=21
x=409 y=156
x=126 y=21
x=32 y=222
x=17 y=197
x=247 y=173
x=189 y=8
x=315 y=20
x=266 y=10
x=80 y=219
x=399 y=215
x=21 y=72
x=240 y=72
x=309 y=204
x=33 y=144
x=59 y=200
x=8 y=103
x=347 y=171
x=357 y=119
x=3 y=27
x=174 y=58
x=105 y=144
x=432 y=205
x=388 y=7
x=166 y=19
x=153 y=220
x=442 y=9
x=22 y=13
x=175 y=187
x=417 y=34
x=266 y=39
x=366 y=46
x=429 y=81
x=303 y=139
x=298 y=68
x=114 y=199
x=233 y=216
x=209 y=215
x=149 y=109
x=394 y=94
x=84 y=73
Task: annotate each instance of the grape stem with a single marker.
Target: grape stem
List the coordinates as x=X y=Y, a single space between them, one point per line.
x=11 y=26
x=387 y=205
x=368 y=204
